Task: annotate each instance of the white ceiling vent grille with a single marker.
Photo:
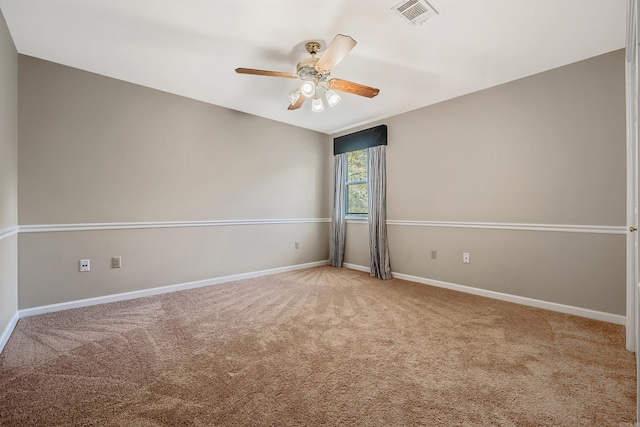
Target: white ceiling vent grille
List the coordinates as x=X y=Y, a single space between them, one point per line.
x=415 y=11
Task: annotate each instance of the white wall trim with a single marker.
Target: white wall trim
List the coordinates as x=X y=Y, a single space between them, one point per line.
x=8 y=330
x=8 y=232
x=161 y=290
x=566 y=228
x=561 y=308
x=359 y=267
x=44 y=228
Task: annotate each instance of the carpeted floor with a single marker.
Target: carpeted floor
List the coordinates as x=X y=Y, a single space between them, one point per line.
x=322 y=346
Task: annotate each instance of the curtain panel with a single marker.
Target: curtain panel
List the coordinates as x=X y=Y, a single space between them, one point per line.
x=378 y=245
x=338 y=216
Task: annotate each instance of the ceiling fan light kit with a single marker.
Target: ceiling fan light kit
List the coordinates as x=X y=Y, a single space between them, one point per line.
x=294 y=95
x=316 y=104
x=308 y=89
x=315 y=72
x=332 y=97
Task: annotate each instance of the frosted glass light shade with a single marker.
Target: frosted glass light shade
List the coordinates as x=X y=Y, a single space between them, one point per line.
x=293 y=96
x=317 y=105
x=332 y=97
x=308 y=89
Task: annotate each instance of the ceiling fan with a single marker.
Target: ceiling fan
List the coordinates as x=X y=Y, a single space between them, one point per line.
x=315 y=72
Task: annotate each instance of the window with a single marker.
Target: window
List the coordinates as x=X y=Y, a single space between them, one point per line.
x=357 y=192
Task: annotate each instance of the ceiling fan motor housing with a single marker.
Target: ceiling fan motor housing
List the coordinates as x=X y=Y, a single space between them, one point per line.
x=306 y=69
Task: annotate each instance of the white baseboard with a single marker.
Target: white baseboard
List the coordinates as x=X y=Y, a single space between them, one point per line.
x=8 y=330
x=160 y=290
x=561 y=308
x=577 y=311
x=358 y=267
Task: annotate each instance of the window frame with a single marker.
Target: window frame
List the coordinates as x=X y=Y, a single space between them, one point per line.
x=347 y=183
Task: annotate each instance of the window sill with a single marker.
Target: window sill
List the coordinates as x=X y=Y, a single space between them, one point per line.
x=358 y=218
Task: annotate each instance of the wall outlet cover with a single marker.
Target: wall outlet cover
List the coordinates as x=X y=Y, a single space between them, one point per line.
x=116 y=262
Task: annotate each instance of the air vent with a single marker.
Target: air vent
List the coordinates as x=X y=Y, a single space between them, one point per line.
x=415 y=11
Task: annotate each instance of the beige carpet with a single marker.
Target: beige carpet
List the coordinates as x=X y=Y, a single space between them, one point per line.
x=322 y=346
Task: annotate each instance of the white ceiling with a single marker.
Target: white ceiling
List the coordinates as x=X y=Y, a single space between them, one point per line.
x=191 y=48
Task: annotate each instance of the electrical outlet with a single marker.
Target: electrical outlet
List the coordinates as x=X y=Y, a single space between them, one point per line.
x=116 y=262
x=434 y=254
x=85 y=265
x=297 y=245
x=465 y=257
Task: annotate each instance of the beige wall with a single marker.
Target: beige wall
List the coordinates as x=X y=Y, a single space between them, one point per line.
x=8 y=175
x=547 y=149
x=157 y=257
x=98 y=150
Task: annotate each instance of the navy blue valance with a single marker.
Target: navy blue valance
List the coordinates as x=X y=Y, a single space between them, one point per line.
x=359 y=140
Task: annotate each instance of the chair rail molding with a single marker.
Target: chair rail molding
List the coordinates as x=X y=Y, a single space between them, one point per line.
x=47 y=228
x=8 y=232
x=566 y=228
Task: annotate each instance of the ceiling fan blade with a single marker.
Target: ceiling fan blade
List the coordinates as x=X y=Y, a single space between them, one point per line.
x=335 y=52
x=298 y=103
x=354 y=88
x=266 y=73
